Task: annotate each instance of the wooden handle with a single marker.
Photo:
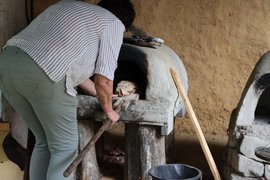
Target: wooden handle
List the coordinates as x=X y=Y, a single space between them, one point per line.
x=196 y=125
x=90 y=144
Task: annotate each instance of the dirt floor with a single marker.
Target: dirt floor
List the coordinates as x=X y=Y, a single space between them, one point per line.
x=185 y=150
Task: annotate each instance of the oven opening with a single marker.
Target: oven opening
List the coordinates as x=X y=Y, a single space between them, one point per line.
x=134 y=71
x=262 y=112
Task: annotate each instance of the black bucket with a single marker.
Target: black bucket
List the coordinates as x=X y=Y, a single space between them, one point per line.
x=175 y=172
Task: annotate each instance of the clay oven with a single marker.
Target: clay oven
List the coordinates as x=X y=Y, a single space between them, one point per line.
x=250 y=127
x=149 y=119
x=148 y=68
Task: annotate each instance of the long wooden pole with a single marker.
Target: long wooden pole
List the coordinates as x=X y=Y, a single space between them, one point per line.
x=90 y=144
x=196 y=124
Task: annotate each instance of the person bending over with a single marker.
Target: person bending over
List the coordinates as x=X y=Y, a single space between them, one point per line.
x=42 y=65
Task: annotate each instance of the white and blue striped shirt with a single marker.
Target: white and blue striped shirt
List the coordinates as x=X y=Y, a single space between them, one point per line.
x=73 y=39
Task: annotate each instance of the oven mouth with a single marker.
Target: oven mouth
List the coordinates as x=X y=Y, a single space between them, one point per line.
x=262 y=112
x=132 y=65
x=132 y=71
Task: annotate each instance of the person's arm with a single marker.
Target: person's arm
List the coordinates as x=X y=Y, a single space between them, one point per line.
x=88 y=86
x=106 y=63
x=104 y=89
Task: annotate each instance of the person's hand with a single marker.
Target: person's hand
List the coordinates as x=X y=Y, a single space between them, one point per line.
x=113 y=116
x=104 y=89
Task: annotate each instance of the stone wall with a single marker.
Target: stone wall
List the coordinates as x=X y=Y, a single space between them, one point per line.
x=250 y=129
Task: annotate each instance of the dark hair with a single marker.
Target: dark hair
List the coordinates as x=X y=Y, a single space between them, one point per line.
x=122 y=9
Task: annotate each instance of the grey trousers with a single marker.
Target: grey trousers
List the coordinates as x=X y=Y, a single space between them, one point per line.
x=49 y=112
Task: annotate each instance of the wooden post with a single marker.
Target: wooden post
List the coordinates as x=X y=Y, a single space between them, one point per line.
x=196 y=125
x=169 y=143
x=89 y=166
x=145 y=147
x=12 y=19
x=11 y=22
x=19 y=129
x=100 y=144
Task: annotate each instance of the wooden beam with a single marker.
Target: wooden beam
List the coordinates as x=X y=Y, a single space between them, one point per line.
x=4 y=126
x=144 y=148
x=196 y=124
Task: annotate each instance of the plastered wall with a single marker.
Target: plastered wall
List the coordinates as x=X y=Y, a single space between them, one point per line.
x=219 y=42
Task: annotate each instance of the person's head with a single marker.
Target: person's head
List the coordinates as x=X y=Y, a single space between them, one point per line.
x=122 y=9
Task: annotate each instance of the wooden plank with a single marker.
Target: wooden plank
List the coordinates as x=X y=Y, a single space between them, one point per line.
x=145 y=147
x=18 y=128
x=92 y=142
x=41 y=5
x=4 y=126
x=12 y=19
x=195 y=124
x=89 y=166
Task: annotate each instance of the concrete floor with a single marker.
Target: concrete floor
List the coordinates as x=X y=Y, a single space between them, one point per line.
x=186 y=150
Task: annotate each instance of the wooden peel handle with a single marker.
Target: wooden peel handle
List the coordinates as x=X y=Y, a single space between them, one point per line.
x=90 y=144
x=196 y=124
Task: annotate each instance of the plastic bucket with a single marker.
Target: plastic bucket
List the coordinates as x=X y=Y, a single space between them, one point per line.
x=174 y=172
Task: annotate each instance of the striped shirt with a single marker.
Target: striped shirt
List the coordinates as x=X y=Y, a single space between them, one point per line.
x=73 y=39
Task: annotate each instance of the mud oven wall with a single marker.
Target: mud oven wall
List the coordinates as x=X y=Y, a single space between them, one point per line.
x=250 y=127
x=148 y=68
x=149 y=119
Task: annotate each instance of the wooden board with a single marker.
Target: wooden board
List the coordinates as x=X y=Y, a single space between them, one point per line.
x=145 y=147
x=41 y=5
x=4 y=126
